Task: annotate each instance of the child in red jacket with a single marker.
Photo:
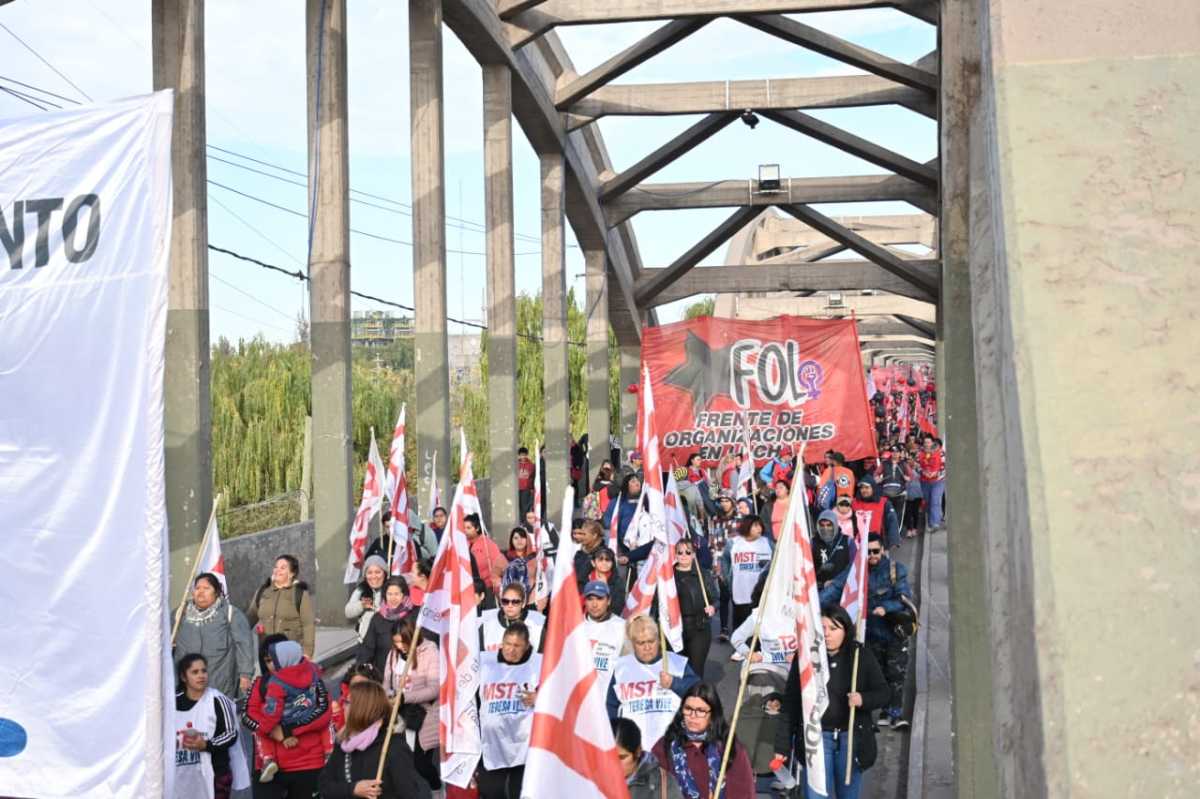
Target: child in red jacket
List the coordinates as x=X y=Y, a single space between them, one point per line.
x=291 y=717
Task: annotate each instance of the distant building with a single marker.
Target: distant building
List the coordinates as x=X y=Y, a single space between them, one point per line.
x=378 y=328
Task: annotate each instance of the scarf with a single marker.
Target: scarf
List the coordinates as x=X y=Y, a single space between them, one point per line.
x=196 y=616
x=683 y=775
x=396 y=613
x=360 y=741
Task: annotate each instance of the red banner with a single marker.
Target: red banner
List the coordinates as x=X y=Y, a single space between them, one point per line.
x=784 y=380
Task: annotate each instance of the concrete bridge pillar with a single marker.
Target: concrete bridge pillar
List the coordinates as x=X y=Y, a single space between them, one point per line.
x=431 y=357
x=502 y=309
x=329 y=295
x=555 y=378
x=1082 y=242
x=597 y=359
x=178 y=52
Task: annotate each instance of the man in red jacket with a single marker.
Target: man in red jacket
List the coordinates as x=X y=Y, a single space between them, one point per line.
x=932 y=463
x=293 y=711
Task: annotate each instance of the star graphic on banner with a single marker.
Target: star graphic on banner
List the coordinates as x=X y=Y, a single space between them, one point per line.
x=704 y=374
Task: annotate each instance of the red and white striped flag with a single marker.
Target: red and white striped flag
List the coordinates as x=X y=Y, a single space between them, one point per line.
x=451 y=610
x=793 y=611
x=854 y=591
x=403 y=554
x=657 y=575
x=571 y=747
x=210 y=559
x=372 y=499
x=745 y=477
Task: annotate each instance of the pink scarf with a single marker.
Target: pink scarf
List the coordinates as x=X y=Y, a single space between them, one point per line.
x=360 y=741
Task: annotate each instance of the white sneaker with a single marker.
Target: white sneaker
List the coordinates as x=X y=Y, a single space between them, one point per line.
x=737 y=657
x=269 y=770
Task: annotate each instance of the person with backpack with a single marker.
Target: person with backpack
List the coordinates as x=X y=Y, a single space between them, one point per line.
x=282 y=605
x=292 y=710
x=894 y=474
x=891 y=621
x=211 y=626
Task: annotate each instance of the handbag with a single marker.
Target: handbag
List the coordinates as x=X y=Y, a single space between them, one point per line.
x=413 y=716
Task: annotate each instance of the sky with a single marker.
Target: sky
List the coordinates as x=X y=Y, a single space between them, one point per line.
x=255 y=73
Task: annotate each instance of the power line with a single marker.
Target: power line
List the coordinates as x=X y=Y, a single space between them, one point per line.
x=39 y=89
x=247 y=294
x=44 y=61
x=298 y=275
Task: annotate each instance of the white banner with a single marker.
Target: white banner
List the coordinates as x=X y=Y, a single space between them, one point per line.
x=85 y=216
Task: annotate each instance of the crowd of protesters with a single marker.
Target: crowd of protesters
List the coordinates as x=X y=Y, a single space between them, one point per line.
x=253 y=673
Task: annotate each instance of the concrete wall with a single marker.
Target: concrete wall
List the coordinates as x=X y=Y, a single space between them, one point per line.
x=249 y=558
x=1084 y=231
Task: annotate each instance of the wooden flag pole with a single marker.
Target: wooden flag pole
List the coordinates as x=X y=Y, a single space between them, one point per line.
x=396 y=700
x=737 y=709
x=662 y=646
x=853 y=689
x=187 y=589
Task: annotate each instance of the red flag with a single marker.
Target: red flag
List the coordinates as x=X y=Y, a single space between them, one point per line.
x=211 y=560
x=571 y=748
x=657 y=575
x=854 y=590
x=403 y=553
x=451 y=611
x=372 y=498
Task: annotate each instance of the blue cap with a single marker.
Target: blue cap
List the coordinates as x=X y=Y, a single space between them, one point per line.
x=596 y=588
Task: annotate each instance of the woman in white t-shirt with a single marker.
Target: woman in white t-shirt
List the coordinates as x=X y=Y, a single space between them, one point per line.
x=749 y=556
x=508 y=684
x=209 y=762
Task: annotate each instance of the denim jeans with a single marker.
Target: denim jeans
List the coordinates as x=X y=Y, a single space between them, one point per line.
x=933 y=493
x=835 y=770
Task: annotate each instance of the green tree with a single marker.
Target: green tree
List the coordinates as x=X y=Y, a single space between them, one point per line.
x=705 y=307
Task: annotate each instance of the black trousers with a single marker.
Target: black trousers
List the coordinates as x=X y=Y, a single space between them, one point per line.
x=501 y=783
x=427 y=765
x=697 y=640
x=740 y=614
x=289 y=784
x=893 y=661
x=725 y=601
x=913 y=520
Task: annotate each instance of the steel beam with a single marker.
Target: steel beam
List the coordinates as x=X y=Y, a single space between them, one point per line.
x=855 y=145
x=701 y=97
x=739 y=193
x=528 y=25
x=758 y=278
x=646 y=291
x=637 y=53
x=829 y=45
x=677 y=146
x=882 y=256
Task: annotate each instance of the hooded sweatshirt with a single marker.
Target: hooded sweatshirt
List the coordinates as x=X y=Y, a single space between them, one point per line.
x=290 y=688
x=874 y=505
x=833 y=557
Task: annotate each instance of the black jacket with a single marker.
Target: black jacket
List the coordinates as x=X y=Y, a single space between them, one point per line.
x=691 y=599
x=399 y=780
x=830 y=560
x=376 y=643
x=875 y=693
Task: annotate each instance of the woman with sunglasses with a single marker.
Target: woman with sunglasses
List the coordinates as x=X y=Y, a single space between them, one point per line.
x=695 y=604
x=691 y=750
x=494 y=622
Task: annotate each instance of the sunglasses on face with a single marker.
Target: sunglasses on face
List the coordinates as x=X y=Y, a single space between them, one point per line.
x=507 y=601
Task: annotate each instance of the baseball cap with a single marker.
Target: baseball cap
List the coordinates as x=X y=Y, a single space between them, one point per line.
x=596 y=588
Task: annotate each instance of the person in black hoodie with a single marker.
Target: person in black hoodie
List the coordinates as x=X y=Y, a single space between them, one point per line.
x=697 y=613
x=830 y=549
x=872 y=692
x=351 y=768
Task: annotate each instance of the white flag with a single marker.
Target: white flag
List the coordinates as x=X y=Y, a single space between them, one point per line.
x=372 y=499
x=210 y=559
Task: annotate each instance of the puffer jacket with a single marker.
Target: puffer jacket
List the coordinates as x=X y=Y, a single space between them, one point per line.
x=275 y=611
x=423 y=687
x=264 y=713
